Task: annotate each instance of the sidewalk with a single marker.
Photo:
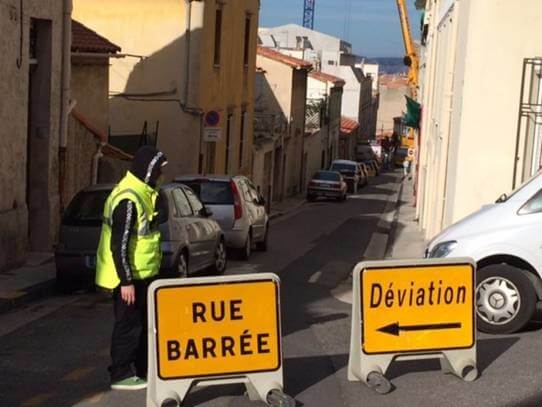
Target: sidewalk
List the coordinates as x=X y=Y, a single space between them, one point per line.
x=406 y=239
x=286 y=206
x=33 y=280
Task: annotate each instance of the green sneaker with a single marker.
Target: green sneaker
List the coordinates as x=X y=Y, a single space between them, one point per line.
x=131 y=383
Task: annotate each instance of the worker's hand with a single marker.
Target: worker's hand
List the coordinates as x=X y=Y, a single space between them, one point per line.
x=128 y=294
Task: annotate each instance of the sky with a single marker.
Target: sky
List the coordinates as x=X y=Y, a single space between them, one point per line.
x=372 y=26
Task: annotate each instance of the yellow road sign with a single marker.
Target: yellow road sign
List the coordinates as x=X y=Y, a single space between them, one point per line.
x=418 y=308
x=217 y=329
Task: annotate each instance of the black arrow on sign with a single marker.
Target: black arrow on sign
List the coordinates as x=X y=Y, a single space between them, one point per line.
x=395 y=328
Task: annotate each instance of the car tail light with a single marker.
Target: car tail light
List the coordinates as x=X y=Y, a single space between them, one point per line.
x=237 y=208
x=313 y=184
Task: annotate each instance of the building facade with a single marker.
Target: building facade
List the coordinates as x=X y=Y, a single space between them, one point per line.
x=332 y=56
x=472 y=148
x=183 y=59
x=284 y=92
x=34 y=83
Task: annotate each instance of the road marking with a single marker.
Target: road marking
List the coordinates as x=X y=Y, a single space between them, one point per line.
x=78 y=374
x=315 y=277
x=36 y=400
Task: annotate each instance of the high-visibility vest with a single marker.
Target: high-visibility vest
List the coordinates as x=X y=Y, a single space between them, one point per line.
x=143 y=248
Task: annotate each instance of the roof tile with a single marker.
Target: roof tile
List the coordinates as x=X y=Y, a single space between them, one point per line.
x=348 y=126
x=325 y=77
x=285 y=59
x=86 y=40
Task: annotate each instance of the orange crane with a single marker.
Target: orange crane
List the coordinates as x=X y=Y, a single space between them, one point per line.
x=412 y=60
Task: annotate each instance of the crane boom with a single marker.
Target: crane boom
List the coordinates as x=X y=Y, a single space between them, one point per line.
x=308 y=14
x=411 y=56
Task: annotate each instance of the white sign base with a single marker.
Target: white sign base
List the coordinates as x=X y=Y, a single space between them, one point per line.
x=371 y=369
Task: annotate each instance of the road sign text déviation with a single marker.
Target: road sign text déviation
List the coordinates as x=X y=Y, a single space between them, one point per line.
x=414 y=295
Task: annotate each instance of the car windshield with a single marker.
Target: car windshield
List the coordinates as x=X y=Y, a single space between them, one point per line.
x=212 y=192
x=327 y=176
x=86 y=209
x=343 y=167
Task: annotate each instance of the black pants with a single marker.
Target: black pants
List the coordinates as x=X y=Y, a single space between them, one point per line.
x=129 y=339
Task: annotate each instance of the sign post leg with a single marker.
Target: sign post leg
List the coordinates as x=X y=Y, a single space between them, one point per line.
x=462 y=363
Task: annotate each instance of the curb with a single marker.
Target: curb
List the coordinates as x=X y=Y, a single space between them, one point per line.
x=379 y=245
x=279 y=214
x=29 y=294
x=393 y=225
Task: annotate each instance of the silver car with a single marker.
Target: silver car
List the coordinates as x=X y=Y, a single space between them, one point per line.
x=191 y=240
x=237 y=206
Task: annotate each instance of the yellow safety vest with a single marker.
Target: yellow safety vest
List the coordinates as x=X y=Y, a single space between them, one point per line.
x=144 y=252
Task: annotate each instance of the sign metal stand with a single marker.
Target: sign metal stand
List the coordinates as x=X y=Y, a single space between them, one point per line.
x=436 y=298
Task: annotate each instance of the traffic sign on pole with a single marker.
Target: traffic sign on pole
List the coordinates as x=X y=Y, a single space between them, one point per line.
x=212 y=130
x=411 y=309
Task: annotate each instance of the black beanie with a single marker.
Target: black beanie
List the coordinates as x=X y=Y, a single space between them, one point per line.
x=147 y=161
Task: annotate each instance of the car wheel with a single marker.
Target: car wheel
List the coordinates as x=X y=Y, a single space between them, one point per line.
x=311 y=198
x=246 y=250
x=505 y=299
x=262 y=246
x=182 y=266
x=220 y=264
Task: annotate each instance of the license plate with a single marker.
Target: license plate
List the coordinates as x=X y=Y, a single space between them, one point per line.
x=90 y=261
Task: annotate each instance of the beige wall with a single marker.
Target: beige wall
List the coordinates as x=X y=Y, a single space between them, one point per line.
x=289 y=90
x=14 y=88
x=154 y=86
x=392 y=104
x=471 y=96
x=89 y=88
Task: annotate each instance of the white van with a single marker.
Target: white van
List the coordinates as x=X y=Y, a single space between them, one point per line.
x=505 y=240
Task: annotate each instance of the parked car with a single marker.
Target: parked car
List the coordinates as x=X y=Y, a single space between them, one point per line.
x=350 y=171
x=191 y=240
x=505 y=241
x=238 y=208
x=328 y=184
x=371 y=171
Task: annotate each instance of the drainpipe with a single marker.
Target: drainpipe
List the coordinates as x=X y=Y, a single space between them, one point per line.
x=96 y=162
x=65 y=98
x=194 y=20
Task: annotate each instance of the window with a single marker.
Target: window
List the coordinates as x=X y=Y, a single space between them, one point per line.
x=533 y=205
x=331 y=62
x=212 y=192
x=327 y=176
x=181 y=203
x=194 y=201
x=86 y=209
x=247 y=40
x=218 y=36
x=242 y=139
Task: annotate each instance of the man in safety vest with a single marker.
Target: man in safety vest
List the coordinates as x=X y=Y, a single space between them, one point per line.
x=128 y=259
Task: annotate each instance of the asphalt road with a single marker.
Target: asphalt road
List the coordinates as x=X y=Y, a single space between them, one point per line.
x=56 y=352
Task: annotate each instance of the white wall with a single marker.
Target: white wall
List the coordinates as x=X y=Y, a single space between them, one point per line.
x=471 y=100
